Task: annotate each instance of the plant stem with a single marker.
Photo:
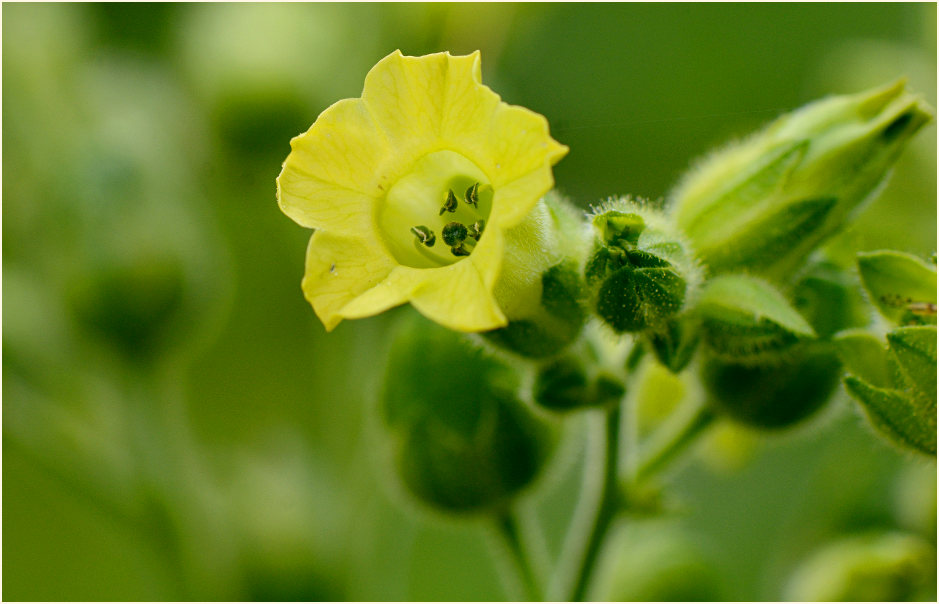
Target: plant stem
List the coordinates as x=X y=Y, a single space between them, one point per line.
x=507 y=526
x=674 y=440
x=607 y=506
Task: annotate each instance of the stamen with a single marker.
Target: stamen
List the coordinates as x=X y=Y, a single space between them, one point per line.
x=454 y=234
x=472 y=196
x=425 y=235
x=459 y=251
x=476 y=231
x=450 y=204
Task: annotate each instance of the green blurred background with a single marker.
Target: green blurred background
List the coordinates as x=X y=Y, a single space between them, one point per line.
x=176 y=423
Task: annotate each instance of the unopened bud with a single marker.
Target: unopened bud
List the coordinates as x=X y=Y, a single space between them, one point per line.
x=639 y=273
x=767 y=202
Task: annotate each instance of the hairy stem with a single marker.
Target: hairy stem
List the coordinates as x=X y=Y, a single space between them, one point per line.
x=606 y=507
x=673 y=440
x=508 y=529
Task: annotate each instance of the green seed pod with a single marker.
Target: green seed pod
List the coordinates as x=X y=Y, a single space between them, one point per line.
x=767 y=202
x=890 y=567
x=463 y=442
x=638 y=274
x=773 y=395
x=746 y=320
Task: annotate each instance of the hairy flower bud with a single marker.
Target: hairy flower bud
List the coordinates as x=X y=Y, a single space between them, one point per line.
x=773 y=394
x=542 y=290
x=462 y=440
x=639 y=273
x=767 y=202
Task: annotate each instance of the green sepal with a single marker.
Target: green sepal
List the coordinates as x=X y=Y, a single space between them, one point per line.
x=904 y=420
x=777 y=394
x=770 y=237
x=555 y=324
x=462 y=439
x=767 y=202
x=894 y=281
x=633 y=299
x=566 y=384
x=865 y=356
x=830 y=299
x=745 y=319
x=915 y=351
x=675 y=343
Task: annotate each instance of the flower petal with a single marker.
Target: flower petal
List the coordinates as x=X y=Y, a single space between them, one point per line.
x=459 y=298
x=338 y=269
x=331 y=179
x=423 y=103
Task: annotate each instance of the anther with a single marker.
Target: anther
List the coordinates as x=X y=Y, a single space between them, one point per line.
x=476 y=231
x=450 y=204
x=454 y=234
x=472 y=195
x=923 y=309
x=459 y=251
x=425 y=235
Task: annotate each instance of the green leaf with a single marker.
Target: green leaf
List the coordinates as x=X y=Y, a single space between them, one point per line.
x=915 y=351
x=745 y=319
x=865 y=356
x=906 y=421
x=748 y=301
x=895 y=280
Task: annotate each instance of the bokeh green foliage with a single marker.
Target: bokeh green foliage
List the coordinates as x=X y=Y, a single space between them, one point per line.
x=176 y=423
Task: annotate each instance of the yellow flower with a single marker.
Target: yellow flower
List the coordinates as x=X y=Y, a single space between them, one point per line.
x=374 y=175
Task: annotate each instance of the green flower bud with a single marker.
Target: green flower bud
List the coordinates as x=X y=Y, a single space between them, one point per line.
x=675 y=343
x=746 y=320
x=547 y=313
x=638 y=274
x=463 y=442
x=567 y=383
x=554 y=324
x=773 y=395
x=891 y=567
x=767 y=202
x=133 y=304
x=656 y=561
